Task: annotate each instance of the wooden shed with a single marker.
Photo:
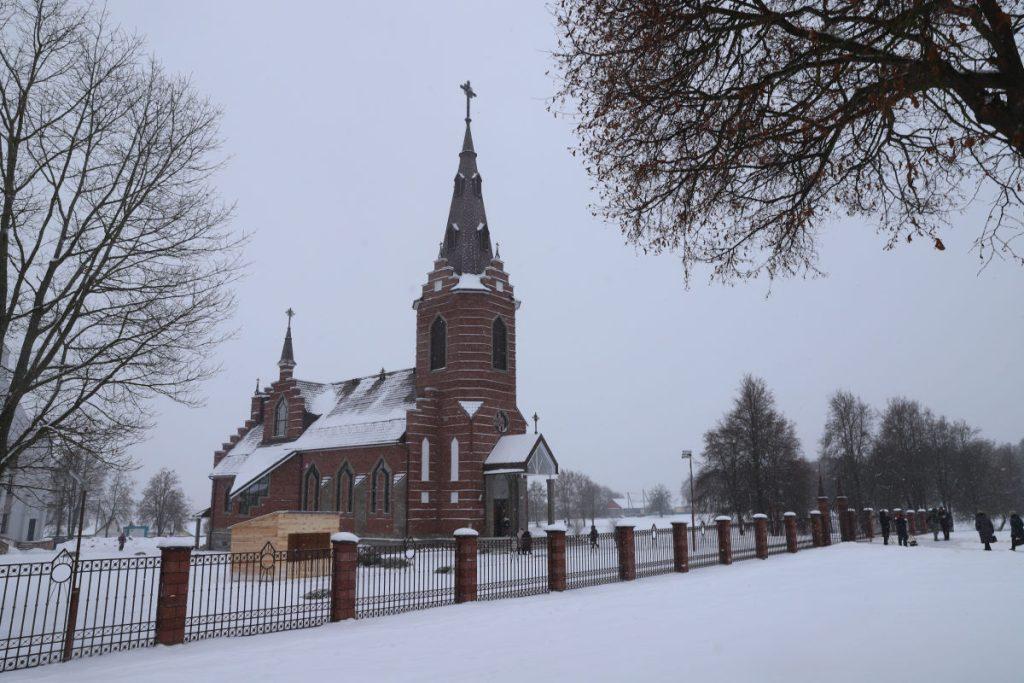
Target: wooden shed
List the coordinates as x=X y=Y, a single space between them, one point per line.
x=285 y=530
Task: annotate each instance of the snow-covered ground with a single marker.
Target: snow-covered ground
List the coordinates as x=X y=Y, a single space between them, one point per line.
x=99 y=547
x=852 y=612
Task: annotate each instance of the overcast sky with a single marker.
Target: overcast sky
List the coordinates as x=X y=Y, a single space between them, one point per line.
x=343 y=122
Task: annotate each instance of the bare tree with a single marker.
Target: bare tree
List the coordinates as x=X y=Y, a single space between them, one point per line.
x=115 y=504
x=163 y=503
x=537 y=495
x=659 y=500
x=730 y=130
x=115 y=258
x=846 y=445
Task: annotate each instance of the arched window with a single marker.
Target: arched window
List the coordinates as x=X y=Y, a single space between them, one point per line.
x=438 y=343
x=499 y=344
x=455 y=459
x=380 y=489
x=281 y=417
x=478 y=182
x=311 y=490
x=344 y=488
x=425 y=460
x=460 y=185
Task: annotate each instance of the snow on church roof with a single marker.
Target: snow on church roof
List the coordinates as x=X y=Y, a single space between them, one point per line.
x=364 y=411
x=521 y=452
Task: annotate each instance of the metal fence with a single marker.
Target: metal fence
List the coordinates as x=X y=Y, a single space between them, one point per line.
x=776 y=537
x=744 y=542
x=508 y=568
x=704 y=546
x=804 y=533
x=238 y=594
x=116 y=608
x=652 y=551
x=590 y=563
x=398 y=575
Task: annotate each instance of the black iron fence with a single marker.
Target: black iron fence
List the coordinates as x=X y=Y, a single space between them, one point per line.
x=652 y=549
x=398 y=575
x=115 y=608
x=239 y=594
x=510 y=568
x=704 y=546
x=590 y=562
x=744 y=541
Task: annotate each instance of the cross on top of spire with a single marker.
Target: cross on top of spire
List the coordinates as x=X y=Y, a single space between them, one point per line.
x=468 y=89
x=287 y=355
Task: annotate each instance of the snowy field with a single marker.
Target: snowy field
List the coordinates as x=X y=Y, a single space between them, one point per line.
x=852 y=612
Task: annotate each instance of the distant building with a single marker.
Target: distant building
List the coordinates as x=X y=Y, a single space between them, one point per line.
x=414 y=452
x=629 y=505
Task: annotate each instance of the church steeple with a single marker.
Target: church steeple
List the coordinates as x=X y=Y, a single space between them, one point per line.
x=467 y=239
x=287 y=362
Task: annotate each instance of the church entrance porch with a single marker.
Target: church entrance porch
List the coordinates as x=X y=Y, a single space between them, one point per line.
x=507 y=469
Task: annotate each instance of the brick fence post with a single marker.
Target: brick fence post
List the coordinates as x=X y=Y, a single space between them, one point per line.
x=789 y=519
x=842 y=505
x=465 y=564
x=869 y=524
x=344 y=558
x=911 y=517
x=625 y=545
x=724 y=524
x=826 y=518
x=556 y=557
x=922 y=521
x=761 y=536
x=172 y=599
x=680 y=548
x=817 y=529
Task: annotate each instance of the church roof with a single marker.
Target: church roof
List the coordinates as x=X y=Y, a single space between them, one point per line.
x=364 y=411
x=467 y=239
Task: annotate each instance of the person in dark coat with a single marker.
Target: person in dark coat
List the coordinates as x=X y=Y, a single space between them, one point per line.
x=593 y=537
x=883 y=521
x=901 y=529
x=986 y=532
x=527 y=542
x=120 y=541
x=945 y=522
x=1016 y=531
x=933 y=523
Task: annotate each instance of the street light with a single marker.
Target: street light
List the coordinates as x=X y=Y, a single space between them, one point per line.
x=688 y=455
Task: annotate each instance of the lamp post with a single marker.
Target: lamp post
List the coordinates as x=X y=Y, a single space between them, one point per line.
x=688 y=455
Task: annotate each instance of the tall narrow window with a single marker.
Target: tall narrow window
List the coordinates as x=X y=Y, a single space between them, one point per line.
x=281 y=417
x=455 y=459
x=460 y=185
x=478 y=183
x=438 y=343
x=425 y=460
x=380 y=489
x=311 y=490
x=344 y=482
x=499 y=345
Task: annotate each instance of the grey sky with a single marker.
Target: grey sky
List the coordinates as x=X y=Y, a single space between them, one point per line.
x=344 y=122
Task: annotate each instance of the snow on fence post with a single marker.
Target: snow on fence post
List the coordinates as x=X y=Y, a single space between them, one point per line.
x=818 y=535
x=465 y=564
x=869 y=524
x=724 y=524
x=625 y=545
x=680 y=548
x=556 y=557
x=345 y=550
x=172 y=598
x=789 y=519
x=761 y=536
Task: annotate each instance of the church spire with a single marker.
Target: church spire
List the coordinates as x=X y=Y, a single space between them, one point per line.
x=287 y=362
x=467 y=239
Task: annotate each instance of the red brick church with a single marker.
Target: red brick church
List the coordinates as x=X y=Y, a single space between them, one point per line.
x=415 y=452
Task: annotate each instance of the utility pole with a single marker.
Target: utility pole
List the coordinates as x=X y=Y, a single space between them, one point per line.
x=688 y=455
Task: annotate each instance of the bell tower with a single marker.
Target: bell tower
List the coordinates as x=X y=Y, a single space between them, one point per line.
x=465 y=362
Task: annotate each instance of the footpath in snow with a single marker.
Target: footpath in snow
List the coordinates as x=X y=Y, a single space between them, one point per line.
x=852 y=612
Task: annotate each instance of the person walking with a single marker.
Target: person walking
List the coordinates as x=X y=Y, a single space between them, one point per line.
x=1016 y=531
x=986 y=532
x=593 y=537
x=120 y=541
x=933 y=523
x=901 y=530
x=883 y=521
x=946 y=522
x=527 y=542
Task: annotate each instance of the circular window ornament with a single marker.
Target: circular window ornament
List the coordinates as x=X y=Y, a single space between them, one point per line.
x=501 y=421
x=409 y=553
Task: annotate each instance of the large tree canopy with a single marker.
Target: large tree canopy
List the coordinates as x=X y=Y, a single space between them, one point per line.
x=729 y=130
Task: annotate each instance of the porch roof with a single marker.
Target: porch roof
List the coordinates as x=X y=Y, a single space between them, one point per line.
x=526 y=453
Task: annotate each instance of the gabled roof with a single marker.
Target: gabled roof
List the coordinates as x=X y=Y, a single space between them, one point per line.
x=467 y=238
x=364 y=411
x=527 y=453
